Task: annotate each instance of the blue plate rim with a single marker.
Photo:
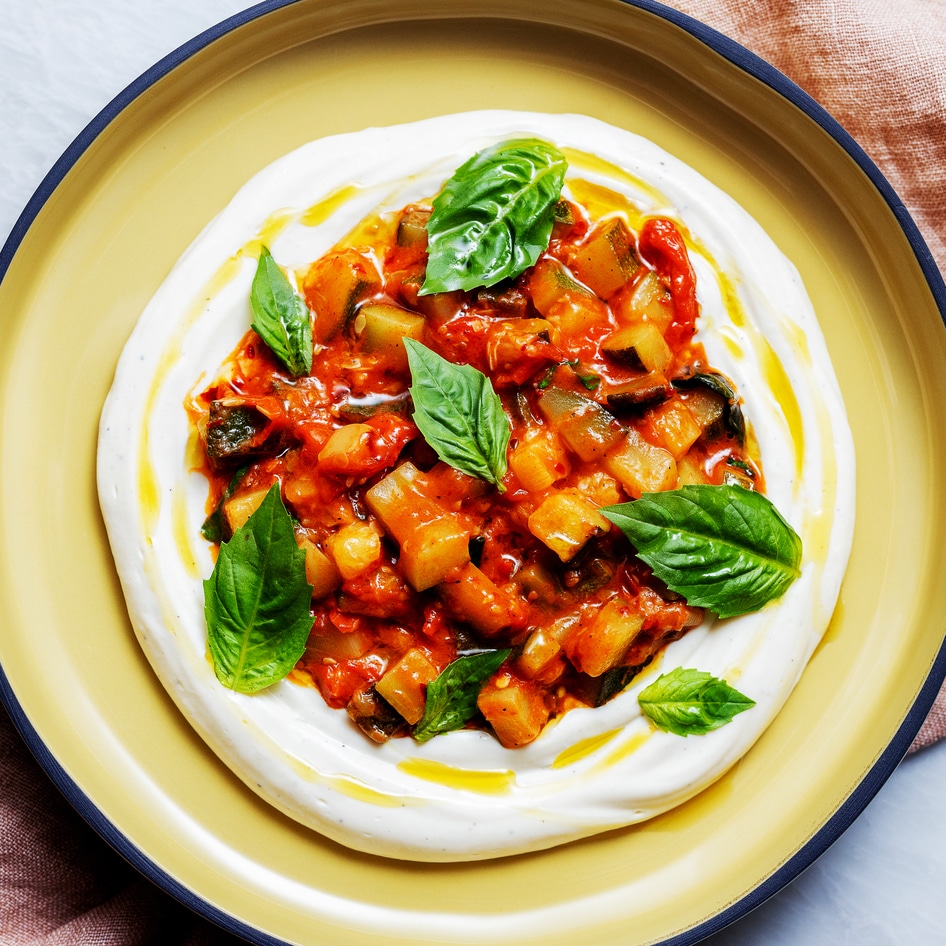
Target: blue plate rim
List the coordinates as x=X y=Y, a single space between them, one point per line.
x=889 y=759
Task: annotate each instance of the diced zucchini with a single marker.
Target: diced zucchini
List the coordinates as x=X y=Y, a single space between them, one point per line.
x=320 y=570
x=640 y=346
x=412 y=229
x=588 y=429
x=704 y=388
x=515 y=709
x=404 y=685
x=433 y=539
x=541 y=658
x=433 y=550
x=475 y=599
x=606 y=260
x=644 y=391
x=565 y=522
x=382 y=328
x=539 y=460
x=331 y=645
x=672 y=426
x=354 y=548
x=241 y=505
x=550 y=282
x=333 y=287
x=599 y=643
x=640 y=467
x=690 y=471
x=647 y=301
x=578 y=315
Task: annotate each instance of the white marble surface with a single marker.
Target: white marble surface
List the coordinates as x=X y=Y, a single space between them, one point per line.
x=61 y=61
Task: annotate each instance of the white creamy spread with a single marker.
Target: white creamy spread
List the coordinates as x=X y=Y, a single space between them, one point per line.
x=462 y=796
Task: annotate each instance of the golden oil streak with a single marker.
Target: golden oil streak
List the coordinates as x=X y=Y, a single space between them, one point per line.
x=483 y=783
x=781 y=388
x=320 y=212
x=624 y=750
x=148 y=493
x=358 y=790
x=583 y=748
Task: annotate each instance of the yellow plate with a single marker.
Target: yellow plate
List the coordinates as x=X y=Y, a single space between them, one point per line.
x=138 y=187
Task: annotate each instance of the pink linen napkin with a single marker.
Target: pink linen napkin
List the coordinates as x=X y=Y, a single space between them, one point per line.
x=882 y=76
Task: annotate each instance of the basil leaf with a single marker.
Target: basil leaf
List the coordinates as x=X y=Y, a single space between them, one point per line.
x=691 y=702
x=494 y=217
x=451 y=698
x=257 y=599
x=281 y=317
x=725 y=548
x=459 y=414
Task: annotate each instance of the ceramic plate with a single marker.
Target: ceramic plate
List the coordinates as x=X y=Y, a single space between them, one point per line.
x=134 y=191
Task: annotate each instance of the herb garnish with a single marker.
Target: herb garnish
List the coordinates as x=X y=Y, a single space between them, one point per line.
x=726 y=548
x=459 y=414
x=451 y=698
x=256 y=601
x=494 y=217
x=691 y=702
x=280 y=316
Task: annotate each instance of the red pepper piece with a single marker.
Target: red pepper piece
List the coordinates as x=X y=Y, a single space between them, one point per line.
x=661 y=245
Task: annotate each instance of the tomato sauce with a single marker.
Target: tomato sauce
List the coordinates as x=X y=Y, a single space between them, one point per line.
x=607 y=393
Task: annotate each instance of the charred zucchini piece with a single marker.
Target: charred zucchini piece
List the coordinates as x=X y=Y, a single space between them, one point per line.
x=607 y=260
x=404 y=685
x=515 y=708
x=360 y=408
x=412 y=229
x=732 y=417
x=599 y=644
x=373 y=716
x=587 y=428
x=236 y=431
x=639 y=346
x=382 y=329
x=646 y=391
x=566 y=522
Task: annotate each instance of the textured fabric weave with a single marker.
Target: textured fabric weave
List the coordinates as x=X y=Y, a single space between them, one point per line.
x=883 y=76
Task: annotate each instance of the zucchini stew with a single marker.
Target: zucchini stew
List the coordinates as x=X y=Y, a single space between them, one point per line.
x=472 y=468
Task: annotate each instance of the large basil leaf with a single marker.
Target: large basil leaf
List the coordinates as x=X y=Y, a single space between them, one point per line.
x=494 y=217
x=281 y=317
x=256 y=601
x=691 y=702
x=725 y=548
x=451 y=698
x=459 y=414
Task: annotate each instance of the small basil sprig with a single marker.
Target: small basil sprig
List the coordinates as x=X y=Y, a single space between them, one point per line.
x=257 y=599
x=459 y=414
x=690 y=702
x=451 y=698
x=280 y=316
x=494 y=217
x=725 y=548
